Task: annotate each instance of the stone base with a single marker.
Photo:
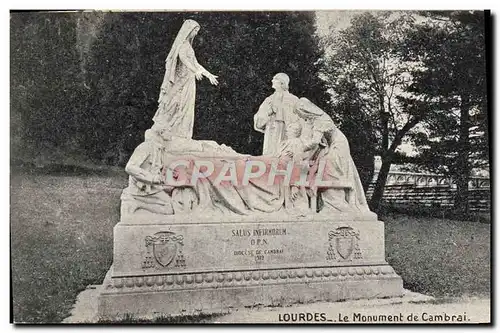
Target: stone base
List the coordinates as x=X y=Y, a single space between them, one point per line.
x=202 y=293
x=187 y=268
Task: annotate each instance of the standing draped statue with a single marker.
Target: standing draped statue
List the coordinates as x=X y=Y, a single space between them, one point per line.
x=275 y=114
x=178 y=92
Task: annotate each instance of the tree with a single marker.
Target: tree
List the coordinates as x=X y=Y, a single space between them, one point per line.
x=451 y=45
x=367 y=57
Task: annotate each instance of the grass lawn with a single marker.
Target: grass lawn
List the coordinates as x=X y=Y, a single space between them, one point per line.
x=439 y=257
x=62 y=240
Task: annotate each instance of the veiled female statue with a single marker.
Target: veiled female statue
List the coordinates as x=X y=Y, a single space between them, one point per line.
x=326 y=142
x=178 y=92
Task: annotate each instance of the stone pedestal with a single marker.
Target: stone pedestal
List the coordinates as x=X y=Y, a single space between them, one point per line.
x=200 y=264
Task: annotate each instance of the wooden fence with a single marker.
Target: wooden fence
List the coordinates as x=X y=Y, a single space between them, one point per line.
x=424 y=190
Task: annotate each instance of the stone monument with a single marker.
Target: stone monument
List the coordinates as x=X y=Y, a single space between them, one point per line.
x=204 y=228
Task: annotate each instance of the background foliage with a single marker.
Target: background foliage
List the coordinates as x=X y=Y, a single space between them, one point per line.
x=88 y=83
x=418 y=78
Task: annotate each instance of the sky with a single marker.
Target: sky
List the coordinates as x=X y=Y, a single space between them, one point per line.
x=333 y=19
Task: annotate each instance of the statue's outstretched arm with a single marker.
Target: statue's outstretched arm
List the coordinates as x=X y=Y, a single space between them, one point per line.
x=186 y=55
x=188 y=58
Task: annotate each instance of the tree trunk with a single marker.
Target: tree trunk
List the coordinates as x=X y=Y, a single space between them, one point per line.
x=387 y=159
x=384 y=117
x=462 y=176
x=378 y=190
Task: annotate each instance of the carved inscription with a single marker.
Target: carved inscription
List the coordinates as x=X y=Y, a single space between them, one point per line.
x=164 y=249
x=259 y=242
x=343 y=245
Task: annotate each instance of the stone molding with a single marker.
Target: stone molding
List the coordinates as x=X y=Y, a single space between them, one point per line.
x=151 y=219
x=248 y=278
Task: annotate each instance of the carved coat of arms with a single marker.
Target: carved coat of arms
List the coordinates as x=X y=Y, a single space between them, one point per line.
x=343 y=244
x=162 y=248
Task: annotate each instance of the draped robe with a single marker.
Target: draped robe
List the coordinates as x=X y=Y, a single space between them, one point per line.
x=332 y=147
x=178 y=92
x=272 y=118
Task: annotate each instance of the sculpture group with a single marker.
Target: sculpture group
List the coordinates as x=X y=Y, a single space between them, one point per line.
x=299 y=137
x=205 y=228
